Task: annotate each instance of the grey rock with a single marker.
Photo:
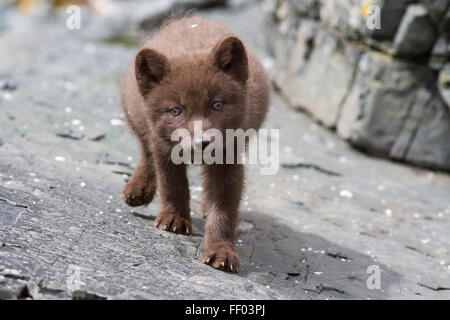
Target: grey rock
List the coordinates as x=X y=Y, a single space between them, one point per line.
x=436 y=9
x=11 y=288
x=7 y=85
x=416 y=113
x=306 y=8
x=440 y=53
x=70 y=134
x=164 y=9
x=97 y=137
x=316 y=73
x=343 y=16
x=430 y=146
x=415 y=35
x=379 y=102
x=370 y=100
x=444 y=26
x=347 y=17
x=128 y=19
x=202 y=4
x=444 y=84
x=119 y=21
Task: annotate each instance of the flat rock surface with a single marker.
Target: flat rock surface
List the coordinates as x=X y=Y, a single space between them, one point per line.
x=309 y=232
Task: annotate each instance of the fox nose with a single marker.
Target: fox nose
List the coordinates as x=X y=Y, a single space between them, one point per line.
x=201 y=144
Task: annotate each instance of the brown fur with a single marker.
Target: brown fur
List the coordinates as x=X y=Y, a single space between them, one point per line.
x=190 y=63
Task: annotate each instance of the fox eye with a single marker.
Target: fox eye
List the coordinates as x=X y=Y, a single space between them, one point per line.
x=175 y=111
x=217 y=105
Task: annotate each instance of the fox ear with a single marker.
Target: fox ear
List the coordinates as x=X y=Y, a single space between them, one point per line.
x=150 y=68
x=230 y=56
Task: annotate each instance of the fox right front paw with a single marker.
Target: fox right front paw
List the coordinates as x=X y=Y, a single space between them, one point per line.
x=222 y=257
x=137 y=194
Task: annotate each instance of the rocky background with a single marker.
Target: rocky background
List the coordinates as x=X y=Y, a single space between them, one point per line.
x=309 y=232
x=384 y=90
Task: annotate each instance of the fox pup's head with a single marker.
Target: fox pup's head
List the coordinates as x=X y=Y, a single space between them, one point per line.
x=208 y=87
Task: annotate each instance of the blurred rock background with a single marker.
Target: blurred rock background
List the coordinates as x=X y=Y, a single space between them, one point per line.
x=385 y=90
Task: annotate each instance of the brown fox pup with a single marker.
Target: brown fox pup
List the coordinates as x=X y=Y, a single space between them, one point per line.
x=192 y=69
